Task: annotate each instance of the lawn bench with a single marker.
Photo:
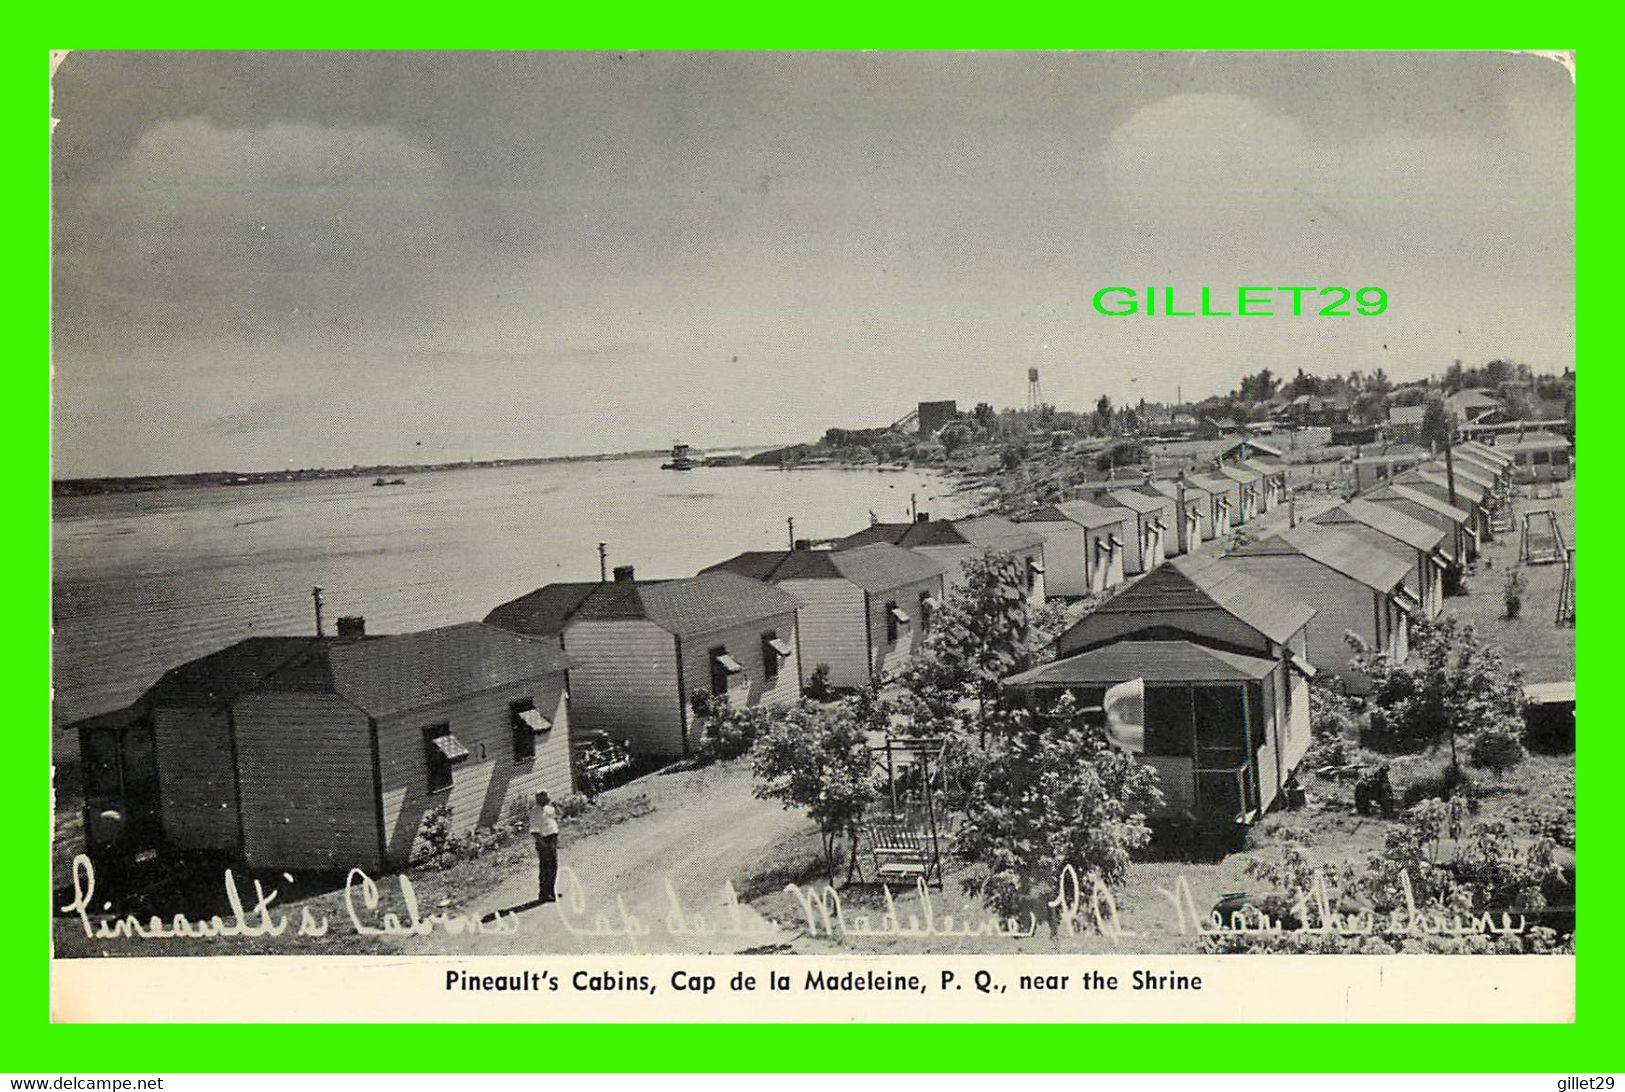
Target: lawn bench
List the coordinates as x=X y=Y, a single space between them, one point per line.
x=902 y=855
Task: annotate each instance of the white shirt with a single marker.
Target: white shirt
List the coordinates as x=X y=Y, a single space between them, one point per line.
x=544 y=819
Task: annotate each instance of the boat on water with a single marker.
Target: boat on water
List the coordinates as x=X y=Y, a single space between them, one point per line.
x=724 y=458
x=390 y=481
x=680 y=459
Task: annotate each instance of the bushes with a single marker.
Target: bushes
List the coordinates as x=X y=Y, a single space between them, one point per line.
x=817 y=687
x=727 y=731
x=1497 y=748
x=1512 y=593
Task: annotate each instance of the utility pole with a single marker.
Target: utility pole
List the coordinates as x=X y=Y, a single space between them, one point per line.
x=790 y=522
x=316 y=595
x=603 y=562
x=913 y=507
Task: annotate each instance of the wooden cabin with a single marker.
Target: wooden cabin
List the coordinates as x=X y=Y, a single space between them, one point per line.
x=1085 y=545
x=1250 y=489
x=1353 y=588
x=1466 y=497
x=1370 y=470
x=1148 y=537
x=1420 y=545
x=1461 y=542
x=1183 y=514
x=864 y=612
x=328 y=752
x=1539 y=456
x=1218 y=727
x=1224 y=502
x=1272 y=475
x=1498 y=474
x=952 y=542
x=1242 y=451
x=1489 y=456
x=1181 y=626
x=640 y=649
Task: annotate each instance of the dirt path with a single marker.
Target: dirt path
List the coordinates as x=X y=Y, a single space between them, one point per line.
x=656 y=883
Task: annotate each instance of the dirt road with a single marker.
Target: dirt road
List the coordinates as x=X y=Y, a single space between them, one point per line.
x=656 y=883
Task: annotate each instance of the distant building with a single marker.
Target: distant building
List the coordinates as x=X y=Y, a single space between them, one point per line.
x=1470 y=405
x=1085 y=545
x=1405 y=422
x=934 y=415
x=953 y=542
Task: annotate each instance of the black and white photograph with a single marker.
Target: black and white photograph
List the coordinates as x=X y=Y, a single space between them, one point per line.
x=860 y=504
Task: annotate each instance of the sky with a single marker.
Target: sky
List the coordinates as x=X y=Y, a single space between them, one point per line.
x=294 y=260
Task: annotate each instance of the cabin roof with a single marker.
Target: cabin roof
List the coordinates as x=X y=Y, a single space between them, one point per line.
x=379 y=674
x=1486 y=451
x=1083 y=513
x=1136 y=501
x=1153 y=661
x=1238 y=473
x=989 y=532
x=1337 y=551
x=1472 y=472
x=1378 y=493
x=877 y=567
x=1266 y=469
x=1170 y=489
x=1396 y=525
x=1199 y=585
x=695 y=604
x=1210 y=483
x=1436 y=476
x=1244 y=446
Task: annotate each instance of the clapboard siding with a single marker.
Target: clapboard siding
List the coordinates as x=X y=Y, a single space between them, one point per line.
x=308 y=799
x=1105 y=559
x=894 y=656
x=832 y=629
x=623 y=680
x=1342 y=605
x=488 y=785
x=1065 y=556
x=1422 y=578
x=1456 y=535
x=744 y=643
x=953 y=557
x=197 y=784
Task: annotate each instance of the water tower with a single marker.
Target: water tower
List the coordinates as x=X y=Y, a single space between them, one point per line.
x=1035 y=393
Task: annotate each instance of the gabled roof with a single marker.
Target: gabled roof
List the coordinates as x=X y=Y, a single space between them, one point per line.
x=1478 y=475
x=1199 y=585
x=695 y=604
x=877 y=567
x=1083 y=513
x=1406 y=415
x=1396 y=525
x=993 y=533
x=380 y=675
x=1486 y=452
x=1340 y=552
x=1238 y=473
x=1242 y=447
x=1379 y=494
x=1136 y=501
x=1435 y=475
x=1193 y=493
x=1153 y=661
x=1266 y=469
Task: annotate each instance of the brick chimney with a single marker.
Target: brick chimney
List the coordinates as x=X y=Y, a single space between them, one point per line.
x=352 y=625
x=922 y=517
x=625 y=574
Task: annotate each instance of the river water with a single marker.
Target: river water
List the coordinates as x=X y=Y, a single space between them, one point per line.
x=145 y=581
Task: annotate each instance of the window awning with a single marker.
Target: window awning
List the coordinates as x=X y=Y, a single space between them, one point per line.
x=1409 y=606
x=1117 y=543
x=1156 y=521
x=899 y=615
x=930 y=602
x=1034 y=566
x=1440 y=558
x=1301 y=665
x=781 y=646
x=450 y=747
x=1406 y=594
x=728 y=663
x=533 y=719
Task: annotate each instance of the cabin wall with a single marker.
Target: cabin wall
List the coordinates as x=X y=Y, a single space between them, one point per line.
x=832 y=629
x=1135 y=531
x=1342 y=605
x=1422 y=578
x=623 y=680
x=1455 y=543
x=197 y=786
x=1066 y=570
x=953 y=557
x=1218 y=625
x=308 y=798
x=751 y=687
x=892 y=656
x=487 y=786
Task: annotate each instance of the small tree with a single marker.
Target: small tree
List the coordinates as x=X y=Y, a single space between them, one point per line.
x=1453 y=685
x=1512 y=593
x=1497 y=748
x=983 y=634
x=1057 y=794
x=816 y=757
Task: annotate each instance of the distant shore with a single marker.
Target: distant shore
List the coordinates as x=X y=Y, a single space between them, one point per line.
x=224 y=479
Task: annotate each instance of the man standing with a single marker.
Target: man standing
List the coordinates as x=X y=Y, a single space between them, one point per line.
x=544 y=830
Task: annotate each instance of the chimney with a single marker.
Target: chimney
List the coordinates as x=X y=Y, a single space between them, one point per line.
x=922 y=517
x=624 y=574
x=352 y=625
x=802 y=544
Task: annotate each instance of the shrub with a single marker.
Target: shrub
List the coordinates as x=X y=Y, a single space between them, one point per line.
x=434 y=836
x=727 y=731
x=817 y=687
x=1497 y=748
x=1512 y=592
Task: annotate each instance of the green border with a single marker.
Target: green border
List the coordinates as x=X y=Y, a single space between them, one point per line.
x=32 y=1044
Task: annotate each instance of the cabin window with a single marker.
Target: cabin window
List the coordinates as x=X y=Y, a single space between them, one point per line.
x=1034 y=571
x=1168 y=721
x=1543 y=458
x=1221 y=723
x=774 y=652
x=896 y=618
x=527 y=723
x=723 y=668
x=442 y=751
x=928 y=607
